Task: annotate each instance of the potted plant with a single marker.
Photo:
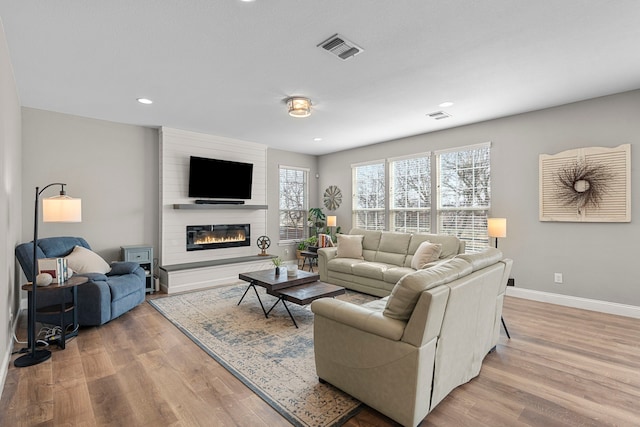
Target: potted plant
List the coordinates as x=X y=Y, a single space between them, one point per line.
x=277 y=262
x=312 y=243
x=316 y=219
x=334 y=235
x=302 y=245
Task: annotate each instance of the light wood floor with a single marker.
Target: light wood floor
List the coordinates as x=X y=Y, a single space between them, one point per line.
x=562 y=367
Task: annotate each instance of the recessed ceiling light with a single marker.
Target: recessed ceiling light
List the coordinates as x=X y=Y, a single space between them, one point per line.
x=446 y=104
x=145 y=101
x=317 y=139
x=247 y=1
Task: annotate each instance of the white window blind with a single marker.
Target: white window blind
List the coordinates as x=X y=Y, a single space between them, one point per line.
x=369 y=196
x=293 y=203
x=410 y=194
x=464 y=194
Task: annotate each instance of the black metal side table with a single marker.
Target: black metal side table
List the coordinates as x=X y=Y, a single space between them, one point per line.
x=309 y=257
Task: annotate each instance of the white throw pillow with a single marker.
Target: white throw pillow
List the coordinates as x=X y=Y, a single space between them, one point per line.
x=83 y=260
x=349 y=246
x=427 y=252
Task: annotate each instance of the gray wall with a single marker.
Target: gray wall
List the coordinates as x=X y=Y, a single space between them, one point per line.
x=598 y=260
x=275 y=158
x=112 y=167
x=10 y=203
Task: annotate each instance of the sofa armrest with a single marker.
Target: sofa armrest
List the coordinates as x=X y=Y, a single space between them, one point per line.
x=358 y=317
x=324 y=256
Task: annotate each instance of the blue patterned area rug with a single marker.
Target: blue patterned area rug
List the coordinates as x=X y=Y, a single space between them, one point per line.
x=270 y=356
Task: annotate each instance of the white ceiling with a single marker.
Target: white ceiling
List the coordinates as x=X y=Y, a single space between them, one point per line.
x=223 y=67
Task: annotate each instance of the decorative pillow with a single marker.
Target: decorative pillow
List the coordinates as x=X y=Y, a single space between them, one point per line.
x=83 y=260
x=427 y=252
x=349 y=246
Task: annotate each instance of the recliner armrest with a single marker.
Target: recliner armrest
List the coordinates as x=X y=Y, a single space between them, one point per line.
x=119 y=268
x=95 y=277
x=359 y=317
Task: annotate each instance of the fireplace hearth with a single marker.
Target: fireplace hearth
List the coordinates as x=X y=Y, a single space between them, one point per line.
x=217 y=236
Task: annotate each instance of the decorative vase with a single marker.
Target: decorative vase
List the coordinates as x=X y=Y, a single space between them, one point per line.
x=277 y=271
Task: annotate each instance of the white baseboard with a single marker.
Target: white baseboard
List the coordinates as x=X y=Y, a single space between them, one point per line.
x=576 y=302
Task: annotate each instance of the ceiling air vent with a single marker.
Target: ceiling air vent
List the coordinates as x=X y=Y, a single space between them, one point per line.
x=340 y=47
x=439 y=115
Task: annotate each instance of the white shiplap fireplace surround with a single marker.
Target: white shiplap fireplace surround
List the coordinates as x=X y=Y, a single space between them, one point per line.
x=181 y=270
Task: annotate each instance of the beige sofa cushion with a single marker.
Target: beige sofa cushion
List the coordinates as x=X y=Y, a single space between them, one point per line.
x=372 y=270
x=350 y=246
x=344 y=265
x=426 y=253
x=393 y=274
x=406 y=292
x=393 y=248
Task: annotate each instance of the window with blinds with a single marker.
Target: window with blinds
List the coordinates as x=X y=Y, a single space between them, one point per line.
x=293 y=203
x=464 y=194
x=369 y=196
x=410 y=194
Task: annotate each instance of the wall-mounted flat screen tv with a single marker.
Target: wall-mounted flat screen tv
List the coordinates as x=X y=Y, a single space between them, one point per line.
x=219 y=179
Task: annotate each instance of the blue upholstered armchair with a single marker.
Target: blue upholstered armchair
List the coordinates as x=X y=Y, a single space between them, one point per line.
x=103 y=298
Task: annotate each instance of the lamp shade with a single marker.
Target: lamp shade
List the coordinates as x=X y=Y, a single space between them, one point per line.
x=61 y=209
x=331 y=220
x=497 y=227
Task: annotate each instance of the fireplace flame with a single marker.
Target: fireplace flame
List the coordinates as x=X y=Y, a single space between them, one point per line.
x=224 y=237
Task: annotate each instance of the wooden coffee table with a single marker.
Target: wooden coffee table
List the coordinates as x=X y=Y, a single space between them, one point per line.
x=301 y=289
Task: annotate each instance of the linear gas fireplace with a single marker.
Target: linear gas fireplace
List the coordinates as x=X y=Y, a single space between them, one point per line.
x=200 y=237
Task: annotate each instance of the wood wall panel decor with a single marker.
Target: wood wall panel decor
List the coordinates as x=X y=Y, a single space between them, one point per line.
x=591 y=184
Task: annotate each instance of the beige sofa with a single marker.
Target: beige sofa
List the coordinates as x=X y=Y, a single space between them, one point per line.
x=386 y=257
x=403 y=354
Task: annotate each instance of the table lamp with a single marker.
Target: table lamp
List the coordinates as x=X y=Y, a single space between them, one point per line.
x=61 y=208
x=497 y=227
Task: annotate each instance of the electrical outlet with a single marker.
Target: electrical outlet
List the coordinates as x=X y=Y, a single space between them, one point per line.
x=557 y=277
x=286 y=251
x=10 y=316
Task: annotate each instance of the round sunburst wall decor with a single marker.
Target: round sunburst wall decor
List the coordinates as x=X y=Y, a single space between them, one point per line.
x=582 y=184
x=332 y=197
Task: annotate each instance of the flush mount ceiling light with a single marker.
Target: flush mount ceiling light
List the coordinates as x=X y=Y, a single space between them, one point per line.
x=144 y=101
x=299 y=106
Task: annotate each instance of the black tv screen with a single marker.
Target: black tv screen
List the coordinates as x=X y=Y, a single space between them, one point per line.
x=219 y=179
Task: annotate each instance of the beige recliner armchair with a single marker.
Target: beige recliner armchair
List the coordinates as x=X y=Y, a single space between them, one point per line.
x=403 y=354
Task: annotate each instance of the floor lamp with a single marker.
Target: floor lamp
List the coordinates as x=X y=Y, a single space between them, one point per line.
x=497 y=227
x=61 y=208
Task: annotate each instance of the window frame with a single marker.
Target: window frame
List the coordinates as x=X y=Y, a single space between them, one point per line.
x=303 y=229
x=379 y=211
x=476 y=237
x=393 y=210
